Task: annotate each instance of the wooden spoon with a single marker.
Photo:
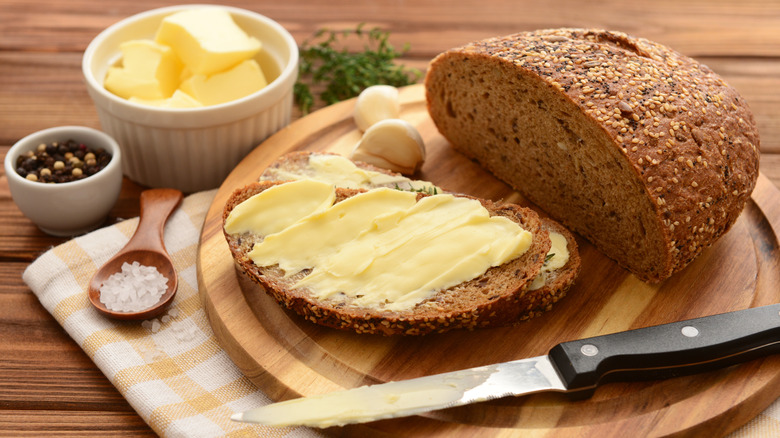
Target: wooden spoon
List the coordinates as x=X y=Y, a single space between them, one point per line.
x=147 y=248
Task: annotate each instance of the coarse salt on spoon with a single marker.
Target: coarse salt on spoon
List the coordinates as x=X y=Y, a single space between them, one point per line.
x=148 y=249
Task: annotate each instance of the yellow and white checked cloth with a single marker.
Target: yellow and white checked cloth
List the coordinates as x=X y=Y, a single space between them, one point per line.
x=172 y=369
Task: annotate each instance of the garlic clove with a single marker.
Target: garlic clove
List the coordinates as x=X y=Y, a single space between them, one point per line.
x=375 y=103
x=392 y=144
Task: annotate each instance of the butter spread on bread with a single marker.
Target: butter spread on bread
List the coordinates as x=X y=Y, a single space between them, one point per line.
x=382 y=248
x=500 y=296
x=341 y=172
x=556 y=259
x=549 y=286
x=497 y=297
x=274 y=210
x=645 y=152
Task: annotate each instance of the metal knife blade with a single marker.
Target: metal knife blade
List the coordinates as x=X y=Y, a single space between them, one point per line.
x=410 y=397
x=662 y=351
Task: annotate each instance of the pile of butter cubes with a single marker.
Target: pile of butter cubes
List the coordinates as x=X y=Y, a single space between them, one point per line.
x=199 y=57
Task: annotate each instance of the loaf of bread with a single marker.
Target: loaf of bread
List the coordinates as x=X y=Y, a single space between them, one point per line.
x=501 y=296
x=645 y=152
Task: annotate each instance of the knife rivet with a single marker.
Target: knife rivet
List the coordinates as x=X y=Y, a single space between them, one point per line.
x=690 y=331
x=589 y=350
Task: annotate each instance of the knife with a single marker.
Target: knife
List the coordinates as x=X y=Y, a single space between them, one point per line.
x=661 y=351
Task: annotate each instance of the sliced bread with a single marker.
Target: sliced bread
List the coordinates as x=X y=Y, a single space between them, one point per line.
x=552 y=284
x=555 y=282
x=497 y=297
x=645 y=152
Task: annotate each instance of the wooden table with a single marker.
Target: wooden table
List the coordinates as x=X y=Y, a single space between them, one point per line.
x=47 y=384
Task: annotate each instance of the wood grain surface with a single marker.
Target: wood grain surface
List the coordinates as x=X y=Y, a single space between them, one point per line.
x=287 y=356
x=48 y=386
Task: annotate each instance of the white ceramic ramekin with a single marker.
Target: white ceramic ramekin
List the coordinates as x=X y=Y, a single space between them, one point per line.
x=71 y=208
x=192 y=149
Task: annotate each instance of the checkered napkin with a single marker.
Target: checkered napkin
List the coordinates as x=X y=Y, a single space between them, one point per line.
x=172 y=369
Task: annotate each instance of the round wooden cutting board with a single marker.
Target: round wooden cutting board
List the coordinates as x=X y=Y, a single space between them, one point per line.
x=288 y=357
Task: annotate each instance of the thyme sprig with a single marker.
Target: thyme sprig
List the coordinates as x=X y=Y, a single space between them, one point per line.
x=325 y=60
x=428 y=190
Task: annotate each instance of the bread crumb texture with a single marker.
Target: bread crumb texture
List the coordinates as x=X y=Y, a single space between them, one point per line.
x=645 y=152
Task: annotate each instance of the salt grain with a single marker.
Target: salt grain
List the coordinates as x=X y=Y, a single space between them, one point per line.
x=134 y=289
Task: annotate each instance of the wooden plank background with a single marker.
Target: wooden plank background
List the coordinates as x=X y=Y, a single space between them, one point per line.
x=47 y=384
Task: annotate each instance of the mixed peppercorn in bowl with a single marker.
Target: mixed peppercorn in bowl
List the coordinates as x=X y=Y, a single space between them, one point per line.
x=65 y=179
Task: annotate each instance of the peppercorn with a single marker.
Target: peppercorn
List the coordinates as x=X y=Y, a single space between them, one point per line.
x=60 y=162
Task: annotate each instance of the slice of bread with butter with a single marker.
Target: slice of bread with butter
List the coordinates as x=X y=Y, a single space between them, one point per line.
x=352 y=251
x=557 y=275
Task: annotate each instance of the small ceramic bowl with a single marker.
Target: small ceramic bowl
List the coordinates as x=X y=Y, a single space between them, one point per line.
x=68 y=208
x=192 y=149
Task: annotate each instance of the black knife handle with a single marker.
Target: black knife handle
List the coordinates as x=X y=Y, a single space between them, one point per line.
x=669 y=350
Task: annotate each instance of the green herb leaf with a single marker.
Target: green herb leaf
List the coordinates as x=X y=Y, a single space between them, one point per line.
x=428 y=190
x=325 y=61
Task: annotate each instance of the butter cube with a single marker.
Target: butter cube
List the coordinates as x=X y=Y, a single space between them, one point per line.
x=179 y=99
x=240 y=81
x=149 y=71
x=207 y=39
x=185 y=74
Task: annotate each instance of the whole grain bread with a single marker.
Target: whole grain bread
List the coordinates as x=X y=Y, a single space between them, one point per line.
x=498 y=297
x=556 y=283
x=645 y=152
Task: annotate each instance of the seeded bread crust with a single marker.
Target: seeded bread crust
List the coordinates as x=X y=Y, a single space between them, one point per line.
x=645 y=152
x=496 y=298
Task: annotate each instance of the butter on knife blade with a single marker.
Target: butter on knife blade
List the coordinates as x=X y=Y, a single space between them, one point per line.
x=408 y=397
x=653 y=352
